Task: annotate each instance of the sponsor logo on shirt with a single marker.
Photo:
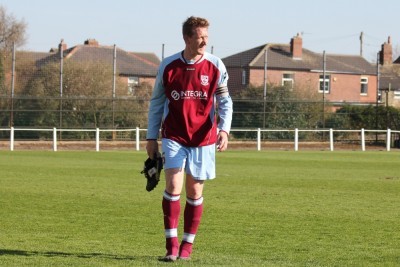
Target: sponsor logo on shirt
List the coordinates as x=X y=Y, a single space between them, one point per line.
x=188 y=95
x=175 y=95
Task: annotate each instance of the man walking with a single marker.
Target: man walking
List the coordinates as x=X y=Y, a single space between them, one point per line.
x=192 y=107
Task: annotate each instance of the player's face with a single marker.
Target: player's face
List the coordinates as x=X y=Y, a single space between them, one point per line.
x=198 y=41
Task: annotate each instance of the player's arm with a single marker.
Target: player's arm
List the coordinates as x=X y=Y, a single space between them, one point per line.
x=155 y=114
x=225 y=110
x=224 y=101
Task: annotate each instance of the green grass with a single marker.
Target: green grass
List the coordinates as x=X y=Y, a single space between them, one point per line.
x=269 y=208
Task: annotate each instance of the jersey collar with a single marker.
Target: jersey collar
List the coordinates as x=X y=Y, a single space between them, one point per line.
x=190 y=62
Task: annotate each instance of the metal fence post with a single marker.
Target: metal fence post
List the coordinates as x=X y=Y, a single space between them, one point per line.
x=61 y=48
x=388 y=140
x=12 y=86
x=265 y=83
x=258 y=139
x=296 y=139
x=113 y=86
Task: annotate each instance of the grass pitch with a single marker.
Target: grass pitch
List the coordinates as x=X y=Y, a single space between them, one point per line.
x=269 y=208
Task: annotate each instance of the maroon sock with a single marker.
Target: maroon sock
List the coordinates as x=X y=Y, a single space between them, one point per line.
x=171 y=208
x=192 y=216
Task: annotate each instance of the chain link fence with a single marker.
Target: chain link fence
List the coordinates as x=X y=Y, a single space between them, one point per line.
x=92 y=86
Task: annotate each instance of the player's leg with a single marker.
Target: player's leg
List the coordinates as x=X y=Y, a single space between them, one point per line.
x=171 y=209
x=200 y=166
x=192 y=214
x=174 y=175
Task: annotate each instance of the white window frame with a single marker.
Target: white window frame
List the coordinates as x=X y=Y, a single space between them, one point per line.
x=396 y=94
x=243 y=77
x=288 y=81
x=133 y=82
x=327 y=83
x=364 y=83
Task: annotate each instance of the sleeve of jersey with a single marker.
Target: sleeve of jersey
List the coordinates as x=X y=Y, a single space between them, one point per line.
x=225 y=110
x=156 y=109
x=224 y=101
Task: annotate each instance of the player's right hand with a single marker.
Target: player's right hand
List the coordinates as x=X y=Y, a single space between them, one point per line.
x=152 y=148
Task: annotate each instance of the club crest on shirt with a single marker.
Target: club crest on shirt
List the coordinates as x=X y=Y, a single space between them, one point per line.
x=204 y=79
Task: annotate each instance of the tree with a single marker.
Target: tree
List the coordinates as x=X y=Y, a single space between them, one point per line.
x=368 y=117
x=87 y=100
x=12 y=31
x=86 y=92
x=284 y=108
x=2 y=78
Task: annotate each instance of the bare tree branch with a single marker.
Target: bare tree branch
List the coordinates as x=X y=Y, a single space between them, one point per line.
x=12 y=30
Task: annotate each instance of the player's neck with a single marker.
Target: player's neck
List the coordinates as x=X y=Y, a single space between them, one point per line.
x=188 y=56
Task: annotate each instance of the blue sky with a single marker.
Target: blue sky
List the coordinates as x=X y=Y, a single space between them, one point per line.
x=145 y=25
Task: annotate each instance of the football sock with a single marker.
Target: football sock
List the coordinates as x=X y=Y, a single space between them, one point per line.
x=171 y=208
x=192 y=217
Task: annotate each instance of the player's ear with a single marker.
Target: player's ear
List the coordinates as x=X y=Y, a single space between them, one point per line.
x=185 y=38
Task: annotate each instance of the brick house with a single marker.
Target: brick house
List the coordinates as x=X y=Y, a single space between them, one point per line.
x=389 y=81
x=348 y=78
x=132 y=68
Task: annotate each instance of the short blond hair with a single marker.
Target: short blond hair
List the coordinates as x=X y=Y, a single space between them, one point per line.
x=192 y=23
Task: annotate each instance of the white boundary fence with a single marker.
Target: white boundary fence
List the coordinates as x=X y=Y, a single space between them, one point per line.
x=137 y=131
x=296 y=131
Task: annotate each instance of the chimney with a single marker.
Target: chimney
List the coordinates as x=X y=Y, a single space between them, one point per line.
x=296 y=47
x=386 y=53
x=91 y=42
x=62 y=46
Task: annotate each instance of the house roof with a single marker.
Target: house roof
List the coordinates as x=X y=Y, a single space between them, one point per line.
x=279 y=57
x=389 y=76
x=127 y=63
x=31 y=56
x=149 y=57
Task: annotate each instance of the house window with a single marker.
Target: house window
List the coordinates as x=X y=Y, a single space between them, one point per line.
x=380 y=96
x=364 y=85
x=327 y=83
x=397 y=94
x=288 y=80
x=243 y=77
x=133 y=82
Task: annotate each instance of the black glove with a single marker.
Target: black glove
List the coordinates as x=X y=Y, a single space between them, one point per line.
x=152 y=169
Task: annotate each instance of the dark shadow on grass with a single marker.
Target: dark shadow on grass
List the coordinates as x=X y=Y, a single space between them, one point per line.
x=66 y=254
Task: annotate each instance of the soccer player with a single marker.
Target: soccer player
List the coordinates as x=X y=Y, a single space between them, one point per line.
x=190 y=93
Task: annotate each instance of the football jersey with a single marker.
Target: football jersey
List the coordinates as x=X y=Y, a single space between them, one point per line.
x=185 y=98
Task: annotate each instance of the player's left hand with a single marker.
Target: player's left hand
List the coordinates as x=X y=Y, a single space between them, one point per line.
x=222 y=141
